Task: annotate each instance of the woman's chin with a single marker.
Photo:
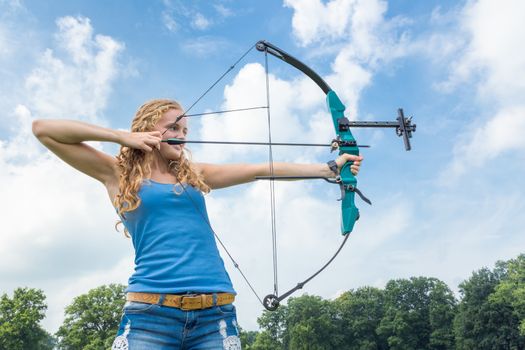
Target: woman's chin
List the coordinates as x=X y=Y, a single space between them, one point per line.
x=171 y=154
x=174 y=156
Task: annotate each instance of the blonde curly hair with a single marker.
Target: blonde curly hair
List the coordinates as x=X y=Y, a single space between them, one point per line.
x=135 y=164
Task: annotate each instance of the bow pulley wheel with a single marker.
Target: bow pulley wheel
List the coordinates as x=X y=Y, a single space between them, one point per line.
x=271 y=302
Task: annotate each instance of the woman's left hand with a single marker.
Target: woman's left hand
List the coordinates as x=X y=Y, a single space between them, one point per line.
x=345 y=157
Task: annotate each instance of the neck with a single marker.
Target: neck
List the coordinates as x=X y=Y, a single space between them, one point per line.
x=160 y=168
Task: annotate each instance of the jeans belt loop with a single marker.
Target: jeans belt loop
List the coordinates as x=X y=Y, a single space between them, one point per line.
x=162 y=296
x=214 y=297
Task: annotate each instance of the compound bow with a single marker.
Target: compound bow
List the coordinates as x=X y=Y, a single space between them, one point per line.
x=344 y=142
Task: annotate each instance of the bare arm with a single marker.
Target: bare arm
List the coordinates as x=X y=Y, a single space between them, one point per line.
x=219 y=176
x=66 y=139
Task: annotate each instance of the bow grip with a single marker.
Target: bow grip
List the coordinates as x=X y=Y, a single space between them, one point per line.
x=349 y=210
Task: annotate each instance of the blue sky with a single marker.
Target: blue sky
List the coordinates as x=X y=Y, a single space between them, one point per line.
x=450 y=206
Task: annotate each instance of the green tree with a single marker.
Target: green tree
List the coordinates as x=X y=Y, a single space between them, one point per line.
x=273 y=327
x=358 y=315
x=418 y=314
x=20 y=318
x=247 y=338
x=310 y=324
x=307 y=322
x=91 y=321
x=511 y=290
x=482 y=323
x=442 y=310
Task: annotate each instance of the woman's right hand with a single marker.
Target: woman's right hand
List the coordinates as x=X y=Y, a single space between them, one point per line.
x=145 y=141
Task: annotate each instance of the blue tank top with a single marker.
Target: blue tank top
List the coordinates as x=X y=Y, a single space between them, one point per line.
x=175 y=249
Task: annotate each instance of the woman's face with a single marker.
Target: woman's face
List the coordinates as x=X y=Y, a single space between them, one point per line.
x=169 y=127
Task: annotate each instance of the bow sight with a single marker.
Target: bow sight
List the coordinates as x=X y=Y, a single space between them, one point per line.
x=403 y=125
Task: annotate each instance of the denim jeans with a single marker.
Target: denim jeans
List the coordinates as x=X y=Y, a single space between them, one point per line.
x=155 y=327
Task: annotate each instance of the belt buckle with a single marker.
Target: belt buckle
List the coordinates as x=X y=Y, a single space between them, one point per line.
x=190 y=302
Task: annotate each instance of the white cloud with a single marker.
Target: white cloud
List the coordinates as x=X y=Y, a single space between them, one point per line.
x=365 y=40
x=116 y=272
x=11 y=6
x=359 y=26
x=169 y=22
x=494 y=61
x=23 y=146
x=79 y=83
x=501 y=133
x=205 y=46
x=223 y=11
x=349 y=79
x=5 y=42
x=313 y=21
x=200 y=22
x=178 y=14
x=493 y=54
x=497 y=34
x=297 y=107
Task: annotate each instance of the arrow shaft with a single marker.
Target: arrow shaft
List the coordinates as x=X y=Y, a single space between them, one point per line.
x=178 y=142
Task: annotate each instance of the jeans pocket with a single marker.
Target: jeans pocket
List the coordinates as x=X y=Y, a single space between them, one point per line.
x=134 y=307
x=226 y=309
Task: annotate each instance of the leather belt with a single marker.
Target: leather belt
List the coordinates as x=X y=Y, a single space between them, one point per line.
x=183 y=302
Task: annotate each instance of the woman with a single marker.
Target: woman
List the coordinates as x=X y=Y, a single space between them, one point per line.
x=180 y=295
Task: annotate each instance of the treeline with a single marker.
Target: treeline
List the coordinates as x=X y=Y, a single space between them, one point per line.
x=90 y=322
x=415 y=313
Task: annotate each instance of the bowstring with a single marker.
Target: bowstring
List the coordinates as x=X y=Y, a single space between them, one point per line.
x=272 y=182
